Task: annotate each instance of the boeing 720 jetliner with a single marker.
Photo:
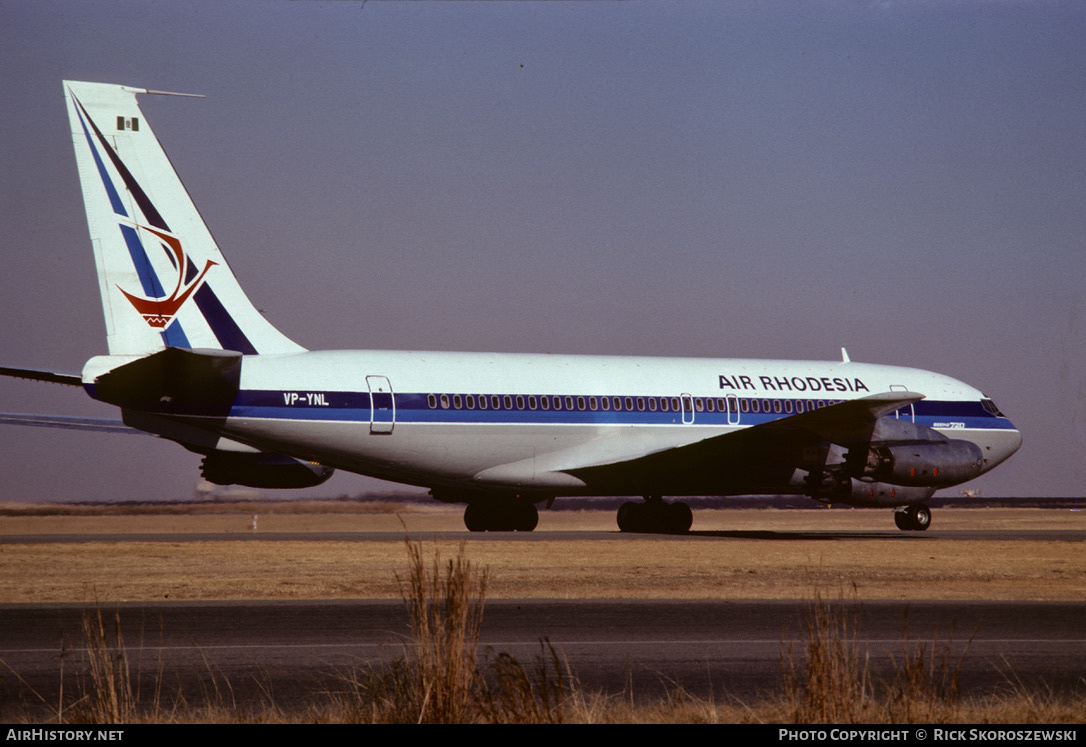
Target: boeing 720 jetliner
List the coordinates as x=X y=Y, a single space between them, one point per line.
x=191 y=360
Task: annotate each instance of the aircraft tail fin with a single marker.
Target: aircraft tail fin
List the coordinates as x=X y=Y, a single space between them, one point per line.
x=163 y=280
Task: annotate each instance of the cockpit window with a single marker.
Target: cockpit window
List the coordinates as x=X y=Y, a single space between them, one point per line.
x=990 y=406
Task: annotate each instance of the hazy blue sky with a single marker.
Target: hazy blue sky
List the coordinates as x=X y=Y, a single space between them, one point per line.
x=719 y=179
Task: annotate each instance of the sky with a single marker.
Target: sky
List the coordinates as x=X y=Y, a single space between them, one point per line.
x=708 y=179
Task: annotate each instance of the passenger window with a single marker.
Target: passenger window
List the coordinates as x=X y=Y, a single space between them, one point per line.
x=699 y=404
x=629 y=403
x=520 y=401
x=470 y=400
x=640 y=404
x=580 y=403
x=508 y=402
x=444 y=402
x=531 y=401
x=663 y=404
x=592 y=403
x=431 y=400
x=618 y=404
x=605 y=402
x=675 y=404
x=482 y=401
x=545 y=401
x=457 y=402
x=652 y=404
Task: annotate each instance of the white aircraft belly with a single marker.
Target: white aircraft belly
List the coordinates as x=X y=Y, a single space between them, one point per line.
x=491 y=455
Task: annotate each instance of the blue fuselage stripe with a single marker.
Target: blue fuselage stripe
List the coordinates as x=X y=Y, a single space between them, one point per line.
x=354 y=407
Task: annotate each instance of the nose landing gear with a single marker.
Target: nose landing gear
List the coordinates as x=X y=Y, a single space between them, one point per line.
x=914 y=518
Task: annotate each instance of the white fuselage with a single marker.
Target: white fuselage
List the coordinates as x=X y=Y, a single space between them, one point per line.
x=526 y=422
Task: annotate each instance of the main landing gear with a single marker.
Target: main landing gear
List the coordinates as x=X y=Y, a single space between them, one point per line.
x=655 y=516
x=500 y=516
x=915 y=518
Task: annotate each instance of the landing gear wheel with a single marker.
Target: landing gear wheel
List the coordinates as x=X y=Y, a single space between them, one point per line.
x=475 y=517
x=628 y=517
x=681 y=518
x=654 y=516
x=527 y=517
x=914 y=518
x=901 y=519
x=920 y=516
x=491 y=516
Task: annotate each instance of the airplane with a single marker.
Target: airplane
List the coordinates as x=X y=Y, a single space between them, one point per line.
x=190 y=359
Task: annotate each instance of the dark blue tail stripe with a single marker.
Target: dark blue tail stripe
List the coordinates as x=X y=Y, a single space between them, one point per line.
x=114 y=198
x=223 y=326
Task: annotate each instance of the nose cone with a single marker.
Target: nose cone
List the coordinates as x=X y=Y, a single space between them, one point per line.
x=999 y=445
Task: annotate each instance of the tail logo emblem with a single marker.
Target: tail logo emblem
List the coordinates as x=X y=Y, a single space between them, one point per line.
x=159 y=312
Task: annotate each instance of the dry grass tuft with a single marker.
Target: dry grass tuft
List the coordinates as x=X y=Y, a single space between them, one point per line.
x=445 y=603
x=925 y=687
x=440 y=679
x=832 y=685
x=544 y=694
x=108 y=696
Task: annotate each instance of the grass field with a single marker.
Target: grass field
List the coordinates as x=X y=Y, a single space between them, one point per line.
x=732 y=554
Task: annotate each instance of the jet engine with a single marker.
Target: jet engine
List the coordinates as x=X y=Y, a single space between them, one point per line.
x=262 y=470
x=834 y=486
x=928 y=464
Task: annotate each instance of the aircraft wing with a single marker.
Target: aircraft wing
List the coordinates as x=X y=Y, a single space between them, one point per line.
x=755 y=455
x=105 y=425
x=847 y=423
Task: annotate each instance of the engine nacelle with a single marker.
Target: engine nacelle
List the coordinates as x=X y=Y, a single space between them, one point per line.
x=928 y=464
x=267 y=471
x=881 y=495
x=837 y=487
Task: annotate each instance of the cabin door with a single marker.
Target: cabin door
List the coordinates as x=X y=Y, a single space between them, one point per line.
x=906 y=412
x=382 y=405
x=687 y=401
x=732 y=402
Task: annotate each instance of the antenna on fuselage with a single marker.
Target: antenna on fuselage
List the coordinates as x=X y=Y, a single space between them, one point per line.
x=844 y=356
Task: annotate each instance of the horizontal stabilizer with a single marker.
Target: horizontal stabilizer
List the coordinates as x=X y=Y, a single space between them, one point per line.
x=38 y=374
x=104 y=425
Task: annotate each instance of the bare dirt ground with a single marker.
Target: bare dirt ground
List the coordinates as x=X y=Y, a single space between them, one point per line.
x=732 y=554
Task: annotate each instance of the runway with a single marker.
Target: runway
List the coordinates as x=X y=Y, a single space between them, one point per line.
x=726 y=650
x=851 y=535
